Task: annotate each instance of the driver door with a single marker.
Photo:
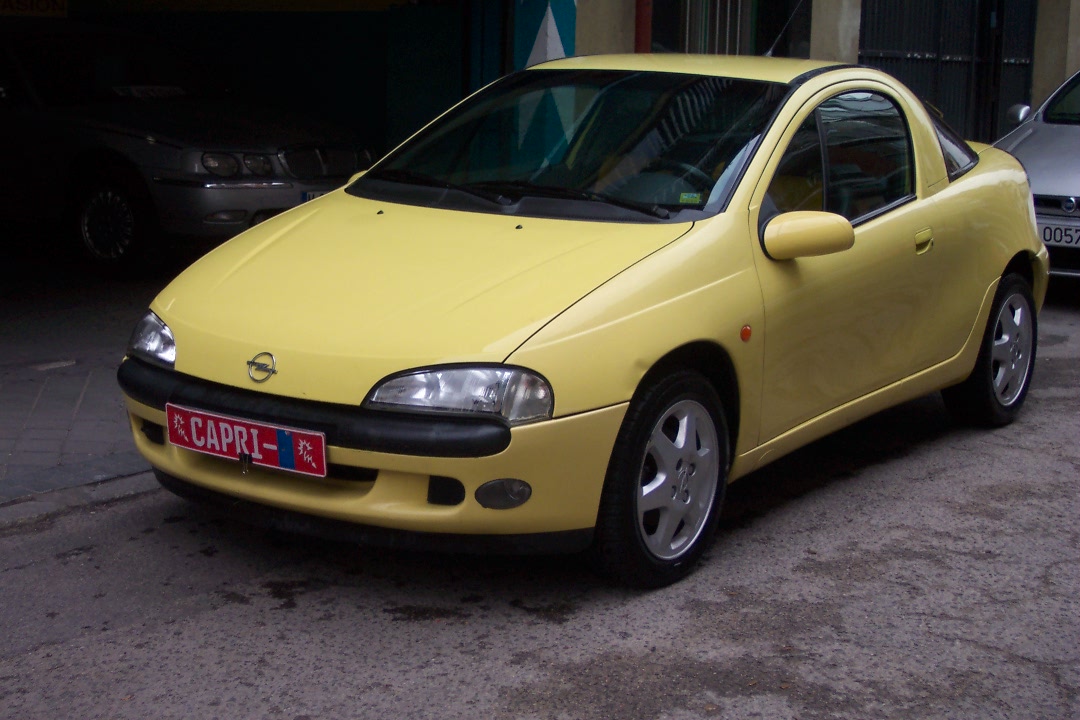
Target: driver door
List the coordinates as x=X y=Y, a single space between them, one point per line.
x=841 y=326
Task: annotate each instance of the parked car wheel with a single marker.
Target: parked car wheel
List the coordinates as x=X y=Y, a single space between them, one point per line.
x=114 y=222
x=994 y=392
x=665 y=483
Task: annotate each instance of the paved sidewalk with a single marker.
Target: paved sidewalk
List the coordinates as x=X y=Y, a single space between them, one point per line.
x=62 y=334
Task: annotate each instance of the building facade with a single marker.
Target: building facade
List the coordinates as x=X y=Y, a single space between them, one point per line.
x=972 y=59
x=387 y=66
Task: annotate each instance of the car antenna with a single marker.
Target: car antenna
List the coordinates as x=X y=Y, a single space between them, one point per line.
x=769 y=52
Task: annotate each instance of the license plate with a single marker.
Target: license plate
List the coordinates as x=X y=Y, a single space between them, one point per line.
x=312 y=194
x=254 y=443
x=1054 y=234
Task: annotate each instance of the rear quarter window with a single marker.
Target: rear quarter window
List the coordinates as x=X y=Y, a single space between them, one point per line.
x=959 y=157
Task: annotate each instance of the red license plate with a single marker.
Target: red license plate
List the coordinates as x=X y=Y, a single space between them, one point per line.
x=271 y=446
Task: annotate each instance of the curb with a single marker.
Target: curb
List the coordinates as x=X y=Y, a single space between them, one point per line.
x=26 y=482
x=33 y=507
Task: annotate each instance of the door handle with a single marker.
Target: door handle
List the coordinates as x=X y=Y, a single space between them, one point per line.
x=924 y=240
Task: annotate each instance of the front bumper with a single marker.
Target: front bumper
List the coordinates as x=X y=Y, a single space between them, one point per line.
x=566 y=541
x=1061 y=235
x=395 y=488
x=209 y=208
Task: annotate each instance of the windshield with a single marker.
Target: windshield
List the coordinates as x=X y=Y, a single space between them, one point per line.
x=645 y=142
x=1064 y=108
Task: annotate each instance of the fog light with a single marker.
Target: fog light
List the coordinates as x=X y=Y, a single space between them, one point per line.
x=226 y=216
x=503 y=494
x=263 y=215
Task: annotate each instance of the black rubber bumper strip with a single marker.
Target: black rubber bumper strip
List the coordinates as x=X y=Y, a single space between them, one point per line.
x=246 y=511
x=345 y=426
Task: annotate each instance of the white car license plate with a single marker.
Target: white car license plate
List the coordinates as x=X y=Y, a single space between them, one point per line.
x=1059 y=234
x=255 y=443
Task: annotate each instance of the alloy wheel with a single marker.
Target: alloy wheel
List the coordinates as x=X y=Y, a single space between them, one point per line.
x=679 y=478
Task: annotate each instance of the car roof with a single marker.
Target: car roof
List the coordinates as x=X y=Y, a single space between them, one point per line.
x=749 y=67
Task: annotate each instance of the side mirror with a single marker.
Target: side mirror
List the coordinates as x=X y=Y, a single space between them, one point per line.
x=364 y=161
x=806 y=234
x=1018 y=114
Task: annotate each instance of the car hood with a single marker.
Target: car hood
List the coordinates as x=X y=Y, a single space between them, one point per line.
x=207 y=123
x=344 y=291
x=1046 y=153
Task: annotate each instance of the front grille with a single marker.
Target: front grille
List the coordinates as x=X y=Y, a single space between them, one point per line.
x=1064 y=260
x=316 y=163
x=445 y=491
x=351 y=473
x=1055 y=205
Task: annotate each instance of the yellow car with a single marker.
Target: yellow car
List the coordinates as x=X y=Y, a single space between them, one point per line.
x=569 y=311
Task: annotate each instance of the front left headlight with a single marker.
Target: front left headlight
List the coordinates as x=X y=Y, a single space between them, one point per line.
x=517 y=395
x=153 y=342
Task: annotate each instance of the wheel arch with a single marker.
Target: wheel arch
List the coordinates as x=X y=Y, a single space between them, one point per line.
x=1021 y=265
x=90 y=165
x=715 y=364
x=1026 y=265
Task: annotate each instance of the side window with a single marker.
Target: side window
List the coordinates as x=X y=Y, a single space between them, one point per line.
x=869 y=154
x=866 y=164
x=799 y=182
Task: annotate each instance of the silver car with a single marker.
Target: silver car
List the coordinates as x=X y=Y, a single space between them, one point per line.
x=1047 y=142
x=133 y=147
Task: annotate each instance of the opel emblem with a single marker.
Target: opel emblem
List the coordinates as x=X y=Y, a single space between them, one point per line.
x=1069 y=204
x=262 y=367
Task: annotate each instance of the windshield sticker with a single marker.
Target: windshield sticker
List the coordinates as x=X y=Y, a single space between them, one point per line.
x=690 y=198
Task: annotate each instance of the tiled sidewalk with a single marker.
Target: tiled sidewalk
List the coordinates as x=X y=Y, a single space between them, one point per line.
x=62 y=334
x=61 y=426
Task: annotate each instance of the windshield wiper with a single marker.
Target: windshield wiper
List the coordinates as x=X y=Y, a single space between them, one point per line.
x=524 y=187
x=412 y=177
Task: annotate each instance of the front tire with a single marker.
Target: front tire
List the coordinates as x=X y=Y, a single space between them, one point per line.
x=665 y=483
x=995 y=391
x=114 y=222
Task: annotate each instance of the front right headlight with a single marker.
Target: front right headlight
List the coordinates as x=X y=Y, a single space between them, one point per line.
x=153 y=342
x=221 y=164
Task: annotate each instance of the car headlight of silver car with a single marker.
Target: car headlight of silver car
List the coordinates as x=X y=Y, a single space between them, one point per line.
x=258 y=164
x=153 y=342
x=516 y=394
x=221 y=164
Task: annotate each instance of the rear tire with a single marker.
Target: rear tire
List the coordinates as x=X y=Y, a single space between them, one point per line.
x=995 y=391
x=665 y=483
